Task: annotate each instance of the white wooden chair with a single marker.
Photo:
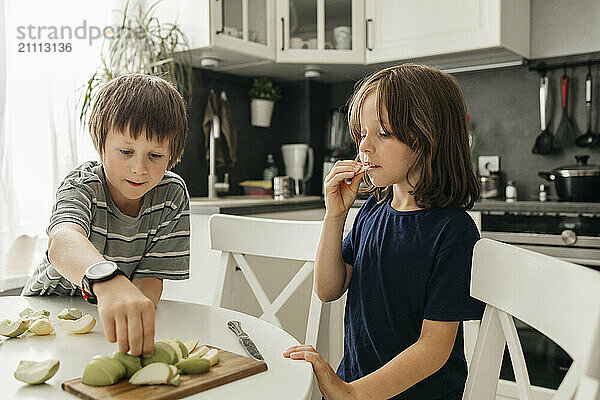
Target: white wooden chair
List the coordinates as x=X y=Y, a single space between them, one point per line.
x=559 y=299
x=238 y=237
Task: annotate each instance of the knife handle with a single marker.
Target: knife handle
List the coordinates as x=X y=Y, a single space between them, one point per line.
x=236 y=327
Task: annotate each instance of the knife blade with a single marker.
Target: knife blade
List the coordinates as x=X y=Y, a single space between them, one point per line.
x=247 y=343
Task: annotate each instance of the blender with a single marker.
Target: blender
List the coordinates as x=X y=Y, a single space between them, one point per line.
x=298 y=161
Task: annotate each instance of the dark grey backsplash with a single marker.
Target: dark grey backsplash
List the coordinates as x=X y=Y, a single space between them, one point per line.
x=503 y=105
x=504 y=108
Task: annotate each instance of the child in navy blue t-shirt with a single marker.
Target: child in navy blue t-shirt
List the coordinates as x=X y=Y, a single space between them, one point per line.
x=407 y=261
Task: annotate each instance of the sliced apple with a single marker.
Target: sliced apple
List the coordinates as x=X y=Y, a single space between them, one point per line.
x=173 y=371
x=13 y=328
x=38 y=313
x=113 y=365
x=26 y=312
x=175 y=381
x=191 y=345
x=36 y=372
x=97 y=373
x=212 y=356
x=162 y=353
x=41 y=326
x=131 y=363
x=81 y=325
x=175 y=348
x=70 y=313
x=199 y=352
x=184 y=350
x=153 y=374
x=193 y=365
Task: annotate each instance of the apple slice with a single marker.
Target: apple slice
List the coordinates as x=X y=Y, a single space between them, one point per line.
x=99 y=373
x=131 y=363
x=26 y=312
x=191 y=345
x=175 y=381
x=81 y=325
x=114 y=367
x=70 y=313
x=13 y=328
x=193 y=365
x=41 y=326
x=162 y=353
x=153 y=374
x=199 y=352
x=212 y=356
x=36 y=372
x=175 y=347
x=173 y=371
x=184 y=350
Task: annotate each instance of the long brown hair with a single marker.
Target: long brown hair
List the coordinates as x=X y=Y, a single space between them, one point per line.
x=427 y=112
x=140 y=104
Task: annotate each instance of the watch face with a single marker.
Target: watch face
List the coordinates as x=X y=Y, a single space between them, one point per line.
x=101 y=270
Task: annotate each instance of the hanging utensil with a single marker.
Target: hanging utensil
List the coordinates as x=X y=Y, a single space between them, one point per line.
x=565 y=128
x=544 y=141
x=589 y=137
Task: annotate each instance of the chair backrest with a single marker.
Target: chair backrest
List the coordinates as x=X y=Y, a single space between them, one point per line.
x=237 y=237
x=559 y=299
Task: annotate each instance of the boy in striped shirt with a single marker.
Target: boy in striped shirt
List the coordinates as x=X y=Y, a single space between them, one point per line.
x=122 y=225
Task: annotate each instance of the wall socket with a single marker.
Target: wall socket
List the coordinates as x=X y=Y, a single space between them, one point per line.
x=487 y=164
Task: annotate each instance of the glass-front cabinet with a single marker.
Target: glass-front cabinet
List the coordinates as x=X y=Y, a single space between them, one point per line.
x=244 y=26
x=320 y=31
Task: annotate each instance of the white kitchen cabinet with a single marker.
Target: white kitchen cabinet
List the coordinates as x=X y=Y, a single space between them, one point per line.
x=489 y=30
x=234 y=32
x=320 y=31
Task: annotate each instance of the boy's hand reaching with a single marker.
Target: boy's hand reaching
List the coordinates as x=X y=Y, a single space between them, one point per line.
x=127 y=315
x=330 y=385
x=340 y=195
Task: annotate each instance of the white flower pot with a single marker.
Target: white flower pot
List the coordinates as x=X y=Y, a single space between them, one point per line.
x=261 y=111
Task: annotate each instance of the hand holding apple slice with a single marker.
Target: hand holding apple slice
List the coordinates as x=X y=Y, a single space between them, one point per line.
x=81 y=325
x=36 y=372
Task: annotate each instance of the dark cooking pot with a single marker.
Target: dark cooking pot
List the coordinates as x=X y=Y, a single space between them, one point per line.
x=579 y=182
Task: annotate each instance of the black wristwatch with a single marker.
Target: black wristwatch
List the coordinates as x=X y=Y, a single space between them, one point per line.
x=99 y=272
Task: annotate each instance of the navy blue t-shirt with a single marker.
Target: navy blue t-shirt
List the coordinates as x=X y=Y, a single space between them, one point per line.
x=407 y=266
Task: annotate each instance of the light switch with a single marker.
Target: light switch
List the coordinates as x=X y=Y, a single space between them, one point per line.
x=487 y=164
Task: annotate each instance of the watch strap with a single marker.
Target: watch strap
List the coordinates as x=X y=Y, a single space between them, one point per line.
x=87 y=283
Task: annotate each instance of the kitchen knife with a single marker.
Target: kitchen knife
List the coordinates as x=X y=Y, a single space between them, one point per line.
x=236 y=327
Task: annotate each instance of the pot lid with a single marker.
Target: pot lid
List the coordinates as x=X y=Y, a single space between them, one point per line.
x=582 y=168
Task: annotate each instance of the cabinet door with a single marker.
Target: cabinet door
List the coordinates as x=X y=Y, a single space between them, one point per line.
x=243 y=26
x=403 y=29
x=320 y=31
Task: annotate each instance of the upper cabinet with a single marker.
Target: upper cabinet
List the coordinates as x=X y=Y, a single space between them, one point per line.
x=320 y=31
x=232 y=32
x=408 y=29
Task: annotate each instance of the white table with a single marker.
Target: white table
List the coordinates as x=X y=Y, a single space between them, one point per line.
x=285 y=378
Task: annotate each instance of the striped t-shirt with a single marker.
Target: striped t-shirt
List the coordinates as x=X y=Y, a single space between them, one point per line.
x=156 y=243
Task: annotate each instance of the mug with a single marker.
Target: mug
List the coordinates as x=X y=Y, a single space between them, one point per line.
x=283 y=187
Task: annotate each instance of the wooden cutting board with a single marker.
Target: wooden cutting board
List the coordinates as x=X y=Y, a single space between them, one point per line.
x=231 y=367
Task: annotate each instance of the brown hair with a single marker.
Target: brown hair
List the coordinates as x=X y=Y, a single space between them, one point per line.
x=137 y=103
x=426 y=111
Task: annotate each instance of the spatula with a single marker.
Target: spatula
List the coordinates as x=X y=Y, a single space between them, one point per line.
x=544 y=141
x=565 y=128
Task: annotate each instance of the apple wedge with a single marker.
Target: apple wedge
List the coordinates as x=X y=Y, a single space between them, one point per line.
x=193 y=365
x=212 y=356
x=191 y=345
x=175 y=381
x=162 y=353
x=101 y=372
x=131 y=363
x=199 y=352
x=70 y=313
x=41 y=327
x=81 y=325
x=175 y=346
x=36 y=372
x=153 y=374
x=13 y=328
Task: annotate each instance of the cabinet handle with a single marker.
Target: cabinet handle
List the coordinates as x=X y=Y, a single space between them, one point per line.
x=222 y=18
x=282 y=34
x=367 y=34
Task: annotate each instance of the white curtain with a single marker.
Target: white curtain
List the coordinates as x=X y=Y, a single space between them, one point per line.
x=41 y=138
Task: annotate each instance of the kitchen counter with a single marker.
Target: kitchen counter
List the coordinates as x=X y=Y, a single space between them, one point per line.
x=532 y=207
x=247 y=205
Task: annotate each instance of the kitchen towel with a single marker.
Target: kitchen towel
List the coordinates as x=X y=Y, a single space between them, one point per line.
x=225 y=145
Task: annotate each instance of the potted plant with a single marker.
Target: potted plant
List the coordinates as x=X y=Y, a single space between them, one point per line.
x=263 y=95
x=141 y=44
